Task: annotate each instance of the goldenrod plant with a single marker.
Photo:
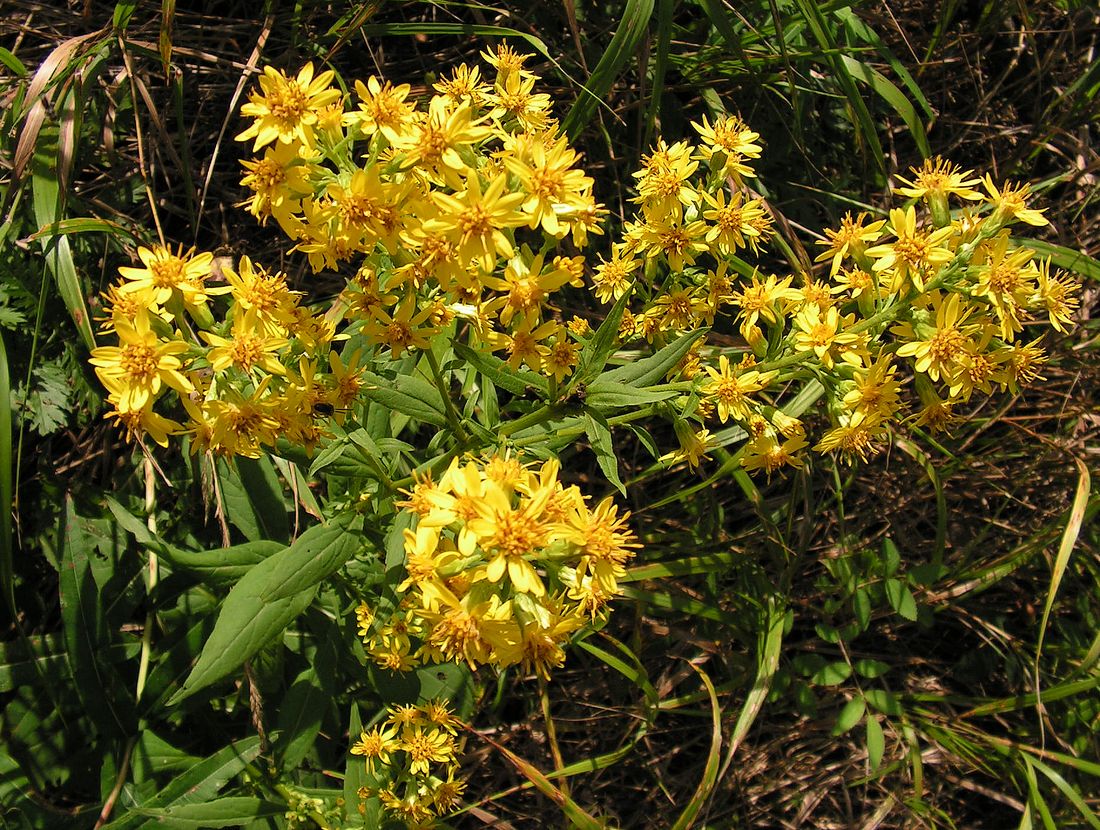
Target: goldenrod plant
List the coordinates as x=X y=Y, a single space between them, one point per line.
x=458 y=223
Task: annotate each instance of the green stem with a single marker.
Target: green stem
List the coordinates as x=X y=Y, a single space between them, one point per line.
x=448 y=404
x=544 y=413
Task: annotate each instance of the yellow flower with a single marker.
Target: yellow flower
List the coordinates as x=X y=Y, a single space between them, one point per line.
x=728 y=142
x=279 y=181
x=286 y=109
x=426 y=746
x=737 y=223
x=664 y=181
x=513 y=98
x=854 y=436
x=823 y=334
x=1010 y=203
x=943 y=343
x=937 y=179
x=914 y=254
x=767 y=453
x=1057 y=295
x=167 y=275
x=475 y=221
x=382 y=109
x=135 y=370
x=376 y=746
x=435 y=142
x=405 y=329
x=731 y=389
x=249 y=347
x=849 y=240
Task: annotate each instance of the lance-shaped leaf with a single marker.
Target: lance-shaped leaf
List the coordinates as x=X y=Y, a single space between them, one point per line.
x=652 y=369
x=270 y=596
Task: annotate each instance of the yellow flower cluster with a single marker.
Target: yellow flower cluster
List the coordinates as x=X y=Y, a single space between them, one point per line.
x=411 y=762
x=946 y=292
x=263 y=372
x=504 y=564
x=453 y=207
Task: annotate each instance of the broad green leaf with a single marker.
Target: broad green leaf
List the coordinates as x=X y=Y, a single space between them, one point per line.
x=270 y=596
x=886 y=702
x=832 y=674
x=850 y=715
x=861 y=607
x=501 y=374
x=606 y=394
x=891 y=559
x=87 y=635
x=253 y=498
x=154 y=756
x=303 y=706
x=599 y=436
x=901 y=599
x=198 y=784
x=232 y=811
x=871 y=669
x=653 y=369
x=876 y=743
x=399 y=396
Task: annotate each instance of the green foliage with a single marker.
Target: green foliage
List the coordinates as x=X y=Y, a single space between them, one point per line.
x=184 y=652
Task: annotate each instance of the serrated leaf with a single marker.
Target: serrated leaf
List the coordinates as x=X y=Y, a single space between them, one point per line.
x=599 y=437
x=891 y=559
x=901 y=599
x=849 y=716
x=876 y=743
x=270 y=596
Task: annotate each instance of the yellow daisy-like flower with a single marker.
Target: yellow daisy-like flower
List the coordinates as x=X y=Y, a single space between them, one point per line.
x=731 y=389
x=135 y=370
x=1010 y=203
x=286 y=109
x=914 y=254
x=849 y=240
x=377 y=746
x=166 y=274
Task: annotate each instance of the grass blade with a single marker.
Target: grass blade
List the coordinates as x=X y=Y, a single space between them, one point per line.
x=710 y=771
x=627 y=36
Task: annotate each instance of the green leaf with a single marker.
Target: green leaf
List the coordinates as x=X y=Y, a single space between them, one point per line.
x=886 y=702
x=303 y=706
x=270 y=596
x=871 y=668
x=849 y=716
x=253 y=498
x=599 y=437
x=501 y=374
x=198 y=784
x=594 y=354
x=832 y=674
x=87 y=635
x=47 y=212
x=893 y=96
x=232 y=811
x=7 y=592
x=606 y=394
x=653 y=369
x=876 y=743
x=1063 y=257
x=632 y=28
x=891 y=559
x=901 y=599
x=406 y=396
x=861 y=607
